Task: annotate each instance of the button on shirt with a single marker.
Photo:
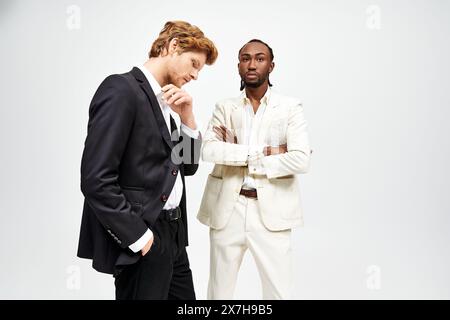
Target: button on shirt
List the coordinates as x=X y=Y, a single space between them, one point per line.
x=174 y=198
x=251 y=124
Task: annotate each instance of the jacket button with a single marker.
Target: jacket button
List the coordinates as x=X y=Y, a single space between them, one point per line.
x=174 y=172
x=164 y=198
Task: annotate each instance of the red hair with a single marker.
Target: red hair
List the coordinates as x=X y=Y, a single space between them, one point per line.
x=190 y=38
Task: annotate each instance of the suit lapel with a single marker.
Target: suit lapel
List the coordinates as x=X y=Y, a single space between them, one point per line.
x=145 y=86
x=236 y=121
x=267 y=118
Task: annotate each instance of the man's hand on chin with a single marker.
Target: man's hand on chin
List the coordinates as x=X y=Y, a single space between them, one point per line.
x=180 y=102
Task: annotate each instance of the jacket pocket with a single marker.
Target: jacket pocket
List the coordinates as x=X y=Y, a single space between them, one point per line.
x=134 y=196
x=286 y=192
x=211 y=194
x=213 y=184
x=136 y=208
x=291 y=176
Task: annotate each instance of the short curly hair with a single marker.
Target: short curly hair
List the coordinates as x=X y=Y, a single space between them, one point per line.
x=190 y=38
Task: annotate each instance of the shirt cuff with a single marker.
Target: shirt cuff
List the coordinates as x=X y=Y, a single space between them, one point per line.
x=255 y=150
x=254 y=160
x=138 y=245
x=194 y=134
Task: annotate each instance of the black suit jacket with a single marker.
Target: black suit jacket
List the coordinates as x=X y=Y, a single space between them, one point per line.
x=127 y=171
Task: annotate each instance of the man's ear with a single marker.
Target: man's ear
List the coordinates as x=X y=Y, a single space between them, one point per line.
x=173 y=45
x=272 y=65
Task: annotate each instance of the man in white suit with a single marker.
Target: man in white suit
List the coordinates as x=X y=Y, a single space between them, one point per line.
x=259 y=143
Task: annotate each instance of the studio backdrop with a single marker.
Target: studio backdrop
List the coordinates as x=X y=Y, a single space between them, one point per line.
x=373 y=77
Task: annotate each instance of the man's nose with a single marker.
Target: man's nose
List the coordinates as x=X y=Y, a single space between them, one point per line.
x=252 y=65
x=194 y=74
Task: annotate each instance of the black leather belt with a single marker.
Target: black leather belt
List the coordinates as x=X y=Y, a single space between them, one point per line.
x=171 y=214
x=249 y=193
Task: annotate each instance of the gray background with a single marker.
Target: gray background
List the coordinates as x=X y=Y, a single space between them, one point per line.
x=376 y=95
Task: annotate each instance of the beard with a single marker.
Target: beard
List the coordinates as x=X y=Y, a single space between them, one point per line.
x=257 y=82
x=175 y=78
x=176 y=81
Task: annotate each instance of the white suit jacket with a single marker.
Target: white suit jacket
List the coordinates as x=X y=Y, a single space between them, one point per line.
x=278 y=189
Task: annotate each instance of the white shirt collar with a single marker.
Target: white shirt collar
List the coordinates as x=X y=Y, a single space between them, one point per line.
x=265 y=99
x=166 y=110
x=151 y=79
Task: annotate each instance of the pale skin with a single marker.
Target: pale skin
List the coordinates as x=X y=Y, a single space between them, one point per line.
x=173 y=69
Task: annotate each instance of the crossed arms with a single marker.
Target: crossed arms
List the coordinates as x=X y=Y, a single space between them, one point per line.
x=221 y=147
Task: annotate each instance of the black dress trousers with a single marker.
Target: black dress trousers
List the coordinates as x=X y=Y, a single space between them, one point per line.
x=164 y=272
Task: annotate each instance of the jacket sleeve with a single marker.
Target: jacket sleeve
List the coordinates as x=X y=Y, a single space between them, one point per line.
x=111 y=118
x=219 y=152
x=296 y=160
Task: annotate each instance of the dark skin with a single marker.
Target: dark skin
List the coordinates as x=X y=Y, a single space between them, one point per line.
x=254 y=67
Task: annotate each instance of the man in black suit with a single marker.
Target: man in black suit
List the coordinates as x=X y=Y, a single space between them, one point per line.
x=142 y=141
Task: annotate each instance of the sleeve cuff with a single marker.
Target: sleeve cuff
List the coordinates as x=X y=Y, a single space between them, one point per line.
x=255 y=156
x=194 y=134
x=255 y=150
x=138 y=245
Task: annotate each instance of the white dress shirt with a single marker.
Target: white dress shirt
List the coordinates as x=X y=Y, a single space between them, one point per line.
x=251 y=124
x=177 y=192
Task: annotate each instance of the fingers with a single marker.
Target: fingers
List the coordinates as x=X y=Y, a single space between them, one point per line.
x=147 y=247
x=170 y=93
x=230 y=135
x=168 y=87
x=174 y=97
x=221 y=127
x=224 y=134
x=220 y=133
x=226 y=130
x=220 y=130
x=283 y=148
